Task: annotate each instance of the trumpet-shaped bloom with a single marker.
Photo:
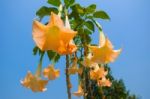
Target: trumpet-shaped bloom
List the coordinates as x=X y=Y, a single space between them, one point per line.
x=87 y=61
x=80 y=92
x=54 y=36
x=71 y=47
x=104 y=53
x=97 y=73
x=34 y=83
x=104 y=82
x=51 y=73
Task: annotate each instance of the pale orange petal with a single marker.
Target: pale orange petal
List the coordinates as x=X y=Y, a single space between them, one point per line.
x=55 y=20
x=38 y=33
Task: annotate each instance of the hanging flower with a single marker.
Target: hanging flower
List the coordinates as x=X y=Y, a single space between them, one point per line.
x=104 y=82
x=80 y=92
x=104 y=53
x=34 y=83
x=87 y=61
x=71 y=47
x=98 y=72
x=51 y=73
x=53 y=36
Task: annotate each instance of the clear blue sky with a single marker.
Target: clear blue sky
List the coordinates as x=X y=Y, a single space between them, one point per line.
x=129 y=28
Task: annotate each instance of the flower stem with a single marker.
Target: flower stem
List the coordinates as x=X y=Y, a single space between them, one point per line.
x=39 y=69
x=68 y=78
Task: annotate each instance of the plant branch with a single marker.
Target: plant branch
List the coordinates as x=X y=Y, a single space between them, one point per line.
x=68 y=83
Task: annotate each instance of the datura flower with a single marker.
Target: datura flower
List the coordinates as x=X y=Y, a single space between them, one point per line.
x=98 y=72
x=71 y=47
x=104 y=53
x=51 y=73
x=34 y=83
x=80 y=92
x=54 y=36
x=104 y=82
x=87 y=61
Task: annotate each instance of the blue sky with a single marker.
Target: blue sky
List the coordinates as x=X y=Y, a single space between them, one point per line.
x=129 y=28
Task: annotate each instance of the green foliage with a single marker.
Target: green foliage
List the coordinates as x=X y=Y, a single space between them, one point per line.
x=54 y=2
x=97 y=24
x=45 y=11
x=117 y=91
x=36 y=51
x=69 y=2
x=53 y=56
x=78 y=8
x=101 y=14
x=89 y=25
x=90 y=9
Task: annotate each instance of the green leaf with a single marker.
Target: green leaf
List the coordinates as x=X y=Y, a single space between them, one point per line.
x=90 y=9
x=87 y=31
x=73 y=24
x=45 y=11
x=89 y=17
x=53 y=56
x=80 y=30
x=35 y=50
x=89 y=25
x=101 y=14
x=69 y=2
x=88 y=39
x=54 y=2
x=78 y=8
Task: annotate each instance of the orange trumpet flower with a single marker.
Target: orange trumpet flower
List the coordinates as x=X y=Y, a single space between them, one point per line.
x=34 y=83
x=104 y=53
x=53 y=36
x=51 y=73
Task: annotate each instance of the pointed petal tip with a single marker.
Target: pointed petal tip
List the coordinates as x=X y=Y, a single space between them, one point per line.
x=45 y=89
x=21 y=81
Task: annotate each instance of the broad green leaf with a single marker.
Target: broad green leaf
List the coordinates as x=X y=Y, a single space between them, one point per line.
x=53 y=56
x=90 y=9
x=45 y=11
x=78 y=8
x=69 y=2
x=89 y=25
x=101 y=14
x=54 y=2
